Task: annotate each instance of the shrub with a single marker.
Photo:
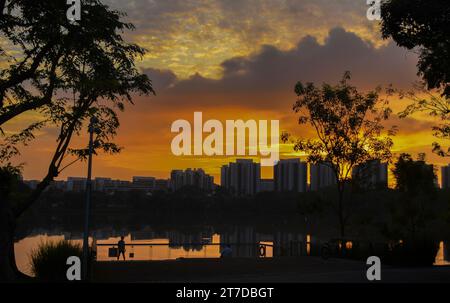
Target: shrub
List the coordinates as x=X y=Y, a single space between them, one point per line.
x=48 y=261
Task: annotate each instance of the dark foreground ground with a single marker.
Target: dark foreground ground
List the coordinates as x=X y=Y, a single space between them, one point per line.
x=300 y=269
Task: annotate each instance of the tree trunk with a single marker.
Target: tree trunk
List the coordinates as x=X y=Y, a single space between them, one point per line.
x=8 y=265
x=7 y=260
x=8 y=217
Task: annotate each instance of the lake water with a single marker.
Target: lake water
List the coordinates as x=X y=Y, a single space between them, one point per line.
x=148 y=244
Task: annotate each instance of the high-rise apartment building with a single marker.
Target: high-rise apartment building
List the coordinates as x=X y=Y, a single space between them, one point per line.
x=290 y=175
x=242 y=177
x=321 y=175
x=191 y=177
x=371 y=174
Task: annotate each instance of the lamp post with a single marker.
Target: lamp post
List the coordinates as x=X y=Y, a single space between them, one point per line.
x=88 y=200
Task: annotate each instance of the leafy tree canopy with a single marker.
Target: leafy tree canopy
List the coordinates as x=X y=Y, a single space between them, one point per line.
x=423 y=25
x=435 y=106
x=348 y=125
x=414 y=176
x=67 y=72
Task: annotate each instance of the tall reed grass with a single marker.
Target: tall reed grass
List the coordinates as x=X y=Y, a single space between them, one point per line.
x=48 y=260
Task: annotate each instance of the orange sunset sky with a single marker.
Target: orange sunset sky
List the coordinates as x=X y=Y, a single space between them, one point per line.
x=238 y=60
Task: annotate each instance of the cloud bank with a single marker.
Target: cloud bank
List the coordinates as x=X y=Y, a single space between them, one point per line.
x=261 y=79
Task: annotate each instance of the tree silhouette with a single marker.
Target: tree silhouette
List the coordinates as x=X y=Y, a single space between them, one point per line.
x=348 y=126
x=435 y=106
x=416 y=182
x=43 y=50
x=39 y=41
x=68 y=73
x=424 y=26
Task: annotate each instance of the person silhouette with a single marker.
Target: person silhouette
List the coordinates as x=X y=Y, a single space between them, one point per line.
x=121 y=248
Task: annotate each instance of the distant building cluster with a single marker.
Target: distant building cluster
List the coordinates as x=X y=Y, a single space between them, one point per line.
x=243 y=178
x=178 y=179
x=78 y=184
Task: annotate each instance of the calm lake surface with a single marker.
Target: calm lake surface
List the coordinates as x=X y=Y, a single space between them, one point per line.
x=150 y=245
x=147 y=244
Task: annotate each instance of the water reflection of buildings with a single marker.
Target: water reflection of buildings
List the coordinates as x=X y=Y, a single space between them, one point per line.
x=245 y=241
x=188 y=241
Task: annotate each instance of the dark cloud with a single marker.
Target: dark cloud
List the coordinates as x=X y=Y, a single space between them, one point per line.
x=409 y=125
x=253 y=19
x=161 y=79
x=272 y=73
x=192 y=36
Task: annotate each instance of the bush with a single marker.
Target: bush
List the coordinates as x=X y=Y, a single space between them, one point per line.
x=413 y=254
x=48 y=261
